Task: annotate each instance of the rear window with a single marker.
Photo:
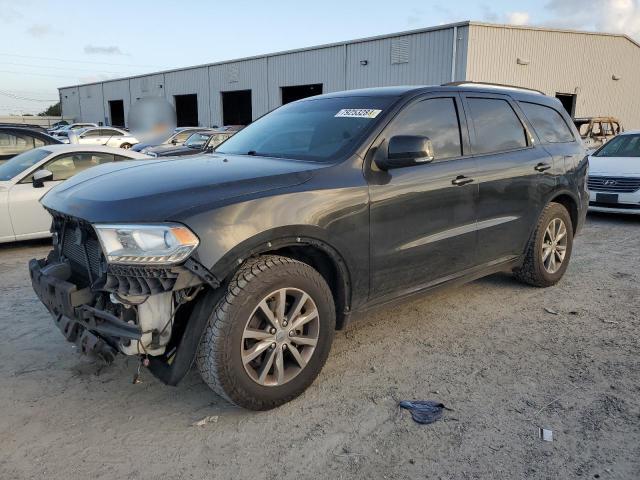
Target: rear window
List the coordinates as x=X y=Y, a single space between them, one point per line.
x=497 y=127
x=547 y=122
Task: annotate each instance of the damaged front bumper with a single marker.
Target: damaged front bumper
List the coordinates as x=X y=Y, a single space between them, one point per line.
x=95 y=332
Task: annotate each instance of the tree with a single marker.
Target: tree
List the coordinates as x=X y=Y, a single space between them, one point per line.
x=52 y=111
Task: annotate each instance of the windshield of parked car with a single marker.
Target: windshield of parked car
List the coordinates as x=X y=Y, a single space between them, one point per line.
x=621 y=146
x=320 y=129
x=22 y=162
x=197 y=140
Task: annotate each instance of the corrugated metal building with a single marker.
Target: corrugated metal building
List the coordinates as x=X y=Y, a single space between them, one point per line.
x=592 y=73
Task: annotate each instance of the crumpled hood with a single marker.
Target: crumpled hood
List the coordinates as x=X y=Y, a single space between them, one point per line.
x=614 y=166
x=171 y=188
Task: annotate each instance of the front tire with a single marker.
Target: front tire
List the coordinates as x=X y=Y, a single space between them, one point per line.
x=269 y=336
x=549 y=250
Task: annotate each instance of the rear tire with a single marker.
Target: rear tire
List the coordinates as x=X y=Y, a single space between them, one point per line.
x=258 y=313
x=549 y=250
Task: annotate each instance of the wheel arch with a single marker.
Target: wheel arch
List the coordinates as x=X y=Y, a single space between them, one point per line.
x=569 y=201
x=309 y=246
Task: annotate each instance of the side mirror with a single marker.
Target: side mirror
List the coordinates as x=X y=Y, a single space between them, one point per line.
x=40 y=177
x=407 y=151
x=174 y=142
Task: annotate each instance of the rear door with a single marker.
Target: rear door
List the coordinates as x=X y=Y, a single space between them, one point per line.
x=514 y=176
x=422 y=218
x=27 y=215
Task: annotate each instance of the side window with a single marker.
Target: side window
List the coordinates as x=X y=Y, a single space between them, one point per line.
x=547 y=122
x=107 y=132
x=497 y=126
x=436 y=118
x=37 y=142
x=91 y=133
x=11 y=144
x=66 y=166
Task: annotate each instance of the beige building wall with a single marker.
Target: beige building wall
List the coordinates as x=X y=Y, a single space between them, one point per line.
x=557 y=61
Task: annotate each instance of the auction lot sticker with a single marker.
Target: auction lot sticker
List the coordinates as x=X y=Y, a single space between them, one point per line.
x=358 y=113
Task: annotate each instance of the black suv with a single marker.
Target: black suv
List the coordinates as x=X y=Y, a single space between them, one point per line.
x=246 y=260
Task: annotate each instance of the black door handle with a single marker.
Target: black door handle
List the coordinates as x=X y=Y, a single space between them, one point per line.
x=541 y=167
x=461 y=180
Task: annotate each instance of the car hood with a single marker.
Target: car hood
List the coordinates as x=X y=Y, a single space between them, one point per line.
x=172 y=188
x=614 y=166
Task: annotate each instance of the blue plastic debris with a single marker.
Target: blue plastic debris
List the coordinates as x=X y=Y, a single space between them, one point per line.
x=424 y=411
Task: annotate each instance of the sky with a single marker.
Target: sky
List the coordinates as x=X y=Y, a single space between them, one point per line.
x=49 y=44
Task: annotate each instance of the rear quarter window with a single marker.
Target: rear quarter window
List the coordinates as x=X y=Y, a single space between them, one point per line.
x=497 y=127
x=547 y=122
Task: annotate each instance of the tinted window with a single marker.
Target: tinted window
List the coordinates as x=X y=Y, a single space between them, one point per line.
x=109 y=132
x=547 y=122
x=20 y=163
x=621 y=146
x=497 y=126
x=436 y=118
x=320 y=130
x=66 y=166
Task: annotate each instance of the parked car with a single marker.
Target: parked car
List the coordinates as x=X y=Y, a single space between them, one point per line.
x=57 y=126
x=15 y=140
x=198 y=142
x=248 y=259
x=109 y=136
x=64 y=131
x=614 y=175
x=176 y=137
x=28 y=176
x=596 y=131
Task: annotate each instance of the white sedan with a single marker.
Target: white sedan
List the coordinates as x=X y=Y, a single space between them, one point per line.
x=614 y=175
x=109 y=136
x=27 y=177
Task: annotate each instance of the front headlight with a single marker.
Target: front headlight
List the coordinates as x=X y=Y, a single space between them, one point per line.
x=147 y=244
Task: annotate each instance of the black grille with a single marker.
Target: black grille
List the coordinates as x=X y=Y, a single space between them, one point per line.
x=81 y=247
x=614 y=184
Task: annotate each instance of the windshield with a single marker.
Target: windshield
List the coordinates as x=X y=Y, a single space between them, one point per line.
x=621 y=146
x=22 y=162
x=197 y=140
x=318 y=130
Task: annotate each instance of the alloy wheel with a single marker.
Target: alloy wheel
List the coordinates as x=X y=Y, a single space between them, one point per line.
x=554 y=245
x=280 y=337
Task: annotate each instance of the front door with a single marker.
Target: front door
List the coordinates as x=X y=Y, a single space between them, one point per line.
x=423 y=217
x=28 y=216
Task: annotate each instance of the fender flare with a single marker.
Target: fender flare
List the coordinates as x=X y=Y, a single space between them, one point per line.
x=282 y=237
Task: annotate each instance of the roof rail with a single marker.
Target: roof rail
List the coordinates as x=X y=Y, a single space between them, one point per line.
x=489 y=84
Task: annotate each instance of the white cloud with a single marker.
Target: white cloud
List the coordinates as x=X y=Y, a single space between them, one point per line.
x=518 y=18
x=41 y=30
x=97 y=50
x=615 y=16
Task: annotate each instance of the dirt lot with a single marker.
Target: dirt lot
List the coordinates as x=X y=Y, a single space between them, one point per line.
x=488 y=350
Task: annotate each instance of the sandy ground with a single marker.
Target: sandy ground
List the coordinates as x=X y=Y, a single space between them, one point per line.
x=488 y=350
